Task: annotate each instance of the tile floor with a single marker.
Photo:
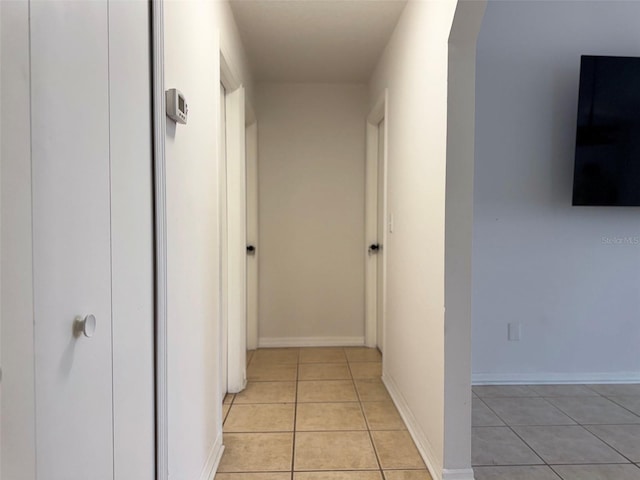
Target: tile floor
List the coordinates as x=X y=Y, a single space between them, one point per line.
x=552 y=432
x=316 y=414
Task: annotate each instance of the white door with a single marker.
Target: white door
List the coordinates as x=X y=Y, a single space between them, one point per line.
x=380 y=268
x=224 y=305
x=71 y=230
x=252 y=236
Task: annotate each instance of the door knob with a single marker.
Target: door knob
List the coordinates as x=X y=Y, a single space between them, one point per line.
x=251 y=250
x=375 y=248
x=85 y=326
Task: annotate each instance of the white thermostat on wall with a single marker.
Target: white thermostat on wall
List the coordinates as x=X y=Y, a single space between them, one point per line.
x=177 y=108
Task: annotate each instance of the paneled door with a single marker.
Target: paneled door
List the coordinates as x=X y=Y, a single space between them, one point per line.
x=72 y=239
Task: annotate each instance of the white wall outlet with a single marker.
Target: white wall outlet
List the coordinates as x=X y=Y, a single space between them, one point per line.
x=515 y=332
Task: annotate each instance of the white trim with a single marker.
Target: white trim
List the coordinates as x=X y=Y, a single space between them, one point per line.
x=553 y=378
x=458 y=474
x=378 y=113
x=213 y=460
x=234 y=295
x=422 y=442
x=159 y=129
x=288 y=342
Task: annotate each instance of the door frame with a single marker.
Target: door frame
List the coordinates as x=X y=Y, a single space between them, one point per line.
x=378 y=113
x=233 y=290
x=160 y=207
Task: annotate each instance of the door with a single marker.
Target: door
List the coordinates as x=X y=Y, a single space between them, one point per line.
x=252 y=236
x=380 y=267
x=71 y=239
x=224 y=264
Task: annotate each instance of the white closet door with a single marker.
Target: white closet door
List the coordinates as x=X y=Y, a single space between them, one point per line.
x=71 y=229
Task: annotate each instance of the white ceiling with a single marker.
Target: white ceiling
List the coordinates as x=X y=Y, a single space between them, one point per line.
x=320 y=41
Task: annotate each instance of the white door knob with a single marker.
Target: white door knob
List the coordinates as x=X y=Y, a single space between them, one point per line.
x=85 y=326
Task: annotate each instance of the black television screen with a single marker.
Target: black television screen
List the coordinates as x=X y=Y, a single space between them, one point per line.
x=607 y=161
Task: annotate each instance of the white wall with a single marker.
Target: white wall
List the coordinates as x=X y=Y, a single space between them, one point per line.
x=537 y=259
x=414 y=68
x=194 y=34
x=311 y=213
x=459 y=235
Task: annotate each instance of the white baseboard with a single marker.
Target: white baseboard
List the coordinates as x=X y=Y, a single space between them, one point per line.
x=458 y=474
x=553 y=378
x=420 y=439
x=310 y=342
x=213 y=461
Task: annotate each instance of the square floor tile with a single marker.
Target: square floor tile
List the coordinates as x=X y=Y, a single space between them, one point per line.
x=564 y=391
x=407 y=475
x=482 y=416
x=504 y=391
x=316 y=451
x=366 y=475
x=253 y=476
x=383 y=416
x=371 y=390
x=225 y=410
x=257 y=452
x=515 y=473
x=322 y=355
x=617 y=390
x=363 y=354
x=327 y=391
x=568 y=445
x=500 y=446
x=594 y=410
x=629 y=402
x=317 y=417
x=275 y=356
x=267 y=392
x=396 y=450
x=624 y=438
x=260 y=418
x=366 y=370
x=597 y=472
x=324 y=371
x=228 y=399
x=271 y=372
x=527 y=411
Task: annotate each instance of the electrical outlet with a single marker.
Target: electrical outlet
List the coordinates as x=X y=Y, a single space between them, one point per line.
x=514 y=332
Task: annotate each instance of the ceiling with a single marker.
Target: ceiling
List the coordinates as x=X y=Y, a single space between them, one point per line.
x=319 y=41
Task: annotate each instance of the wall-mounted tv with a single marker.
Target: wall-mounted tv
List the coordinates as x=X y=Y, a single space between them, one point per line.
x=607 y=160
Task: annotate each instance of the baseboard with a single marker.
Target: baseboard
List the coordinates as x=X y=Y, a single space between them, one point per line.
x=310 y=342
x=420 y=439
x=213 y=461
x=553 y=378
x=458 y=474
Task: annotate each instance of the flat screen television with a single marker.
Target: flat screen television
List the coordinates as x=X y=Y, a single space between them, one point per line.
x=607 y=159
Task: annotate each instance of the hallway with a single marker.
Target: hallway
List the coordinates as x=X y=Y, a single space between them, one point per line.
x=316 y=414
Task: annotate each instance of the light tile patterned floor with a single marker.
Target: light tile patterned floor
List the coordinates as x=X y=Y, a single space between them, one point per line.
x=553 y=432
x=316 y=414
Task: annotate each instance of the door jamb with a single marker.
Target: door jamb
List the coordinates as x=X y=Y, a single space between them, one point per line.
x=377 y=114
x=234 y=295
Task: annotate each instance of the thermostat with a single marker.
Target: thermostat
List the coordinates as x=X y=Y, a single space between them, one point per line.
x=177 y=108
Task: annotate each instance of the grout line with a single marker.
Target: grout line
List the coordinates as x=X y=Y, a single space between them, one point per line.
x=366 y=422
x=295 y=418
